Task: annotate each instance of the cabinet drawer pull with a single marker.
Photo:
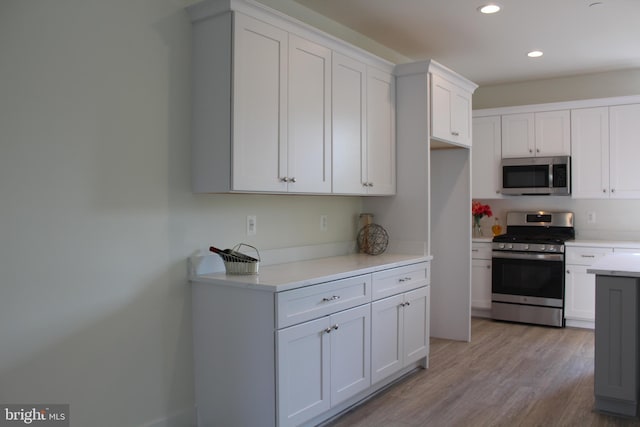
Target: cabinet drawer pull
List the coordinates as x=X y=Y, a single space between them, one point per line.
x=404 y=279
x=333 y=298
x=454 y=133
x=588 y=256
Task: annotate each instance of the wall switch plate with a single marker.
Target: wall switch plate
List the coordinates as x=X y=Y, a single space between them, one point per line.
x=324 y=223
x=591 y=217
x=252 y=225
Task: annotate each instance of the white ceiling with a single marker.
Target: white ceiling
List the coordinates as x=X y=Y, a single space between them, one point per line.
x=576 y=38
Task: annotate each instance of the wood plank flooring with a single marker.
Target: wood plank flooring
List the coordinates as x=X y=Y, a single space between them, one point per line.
x=508 y=375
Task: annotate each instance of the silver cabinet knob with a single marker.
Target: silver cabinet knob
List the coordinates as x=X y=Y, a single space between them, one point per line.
x=292 y=179
x=488 y=267
x=613 y=190
x=454 y=133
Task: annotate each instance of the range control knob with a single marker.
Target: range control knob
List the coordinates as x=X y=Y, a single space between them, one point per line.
x=525 y=247
x=509 y=246
x=543 y=248
x=501 y=245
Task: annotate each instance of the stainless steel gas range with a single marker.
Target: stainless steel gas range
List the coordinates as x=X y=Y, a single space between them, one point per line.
x=527 y=283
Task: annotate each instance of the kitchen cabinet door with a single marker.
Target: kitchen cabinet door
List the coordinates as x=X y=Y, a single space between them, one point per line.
x=306 y=162
x=546 y=133
x=580 y=294
x=625 y=151
x=518 y=135
x=303 y=371
x=486 y=156
x=590 y=153
x=379 y=177
x=349 y=124
x=416 y=325
x=350 y=353
x=260 y=85
x=386 y=337
x=451 y=112
x=553 y=133
x=481 y=283
x=399 y=332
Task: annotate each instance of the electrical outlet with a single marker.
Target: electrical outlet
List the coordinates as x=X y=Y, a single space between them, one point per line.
x=324 y=223
x=252 y=225
x=591 y=217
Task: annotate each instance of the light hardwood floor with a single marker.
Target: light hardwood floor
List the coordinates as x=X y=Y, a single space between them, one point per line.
x=508 y=375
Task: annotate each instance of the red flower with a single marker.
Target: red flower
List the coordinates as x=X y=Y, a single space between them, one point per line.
x=480 y=210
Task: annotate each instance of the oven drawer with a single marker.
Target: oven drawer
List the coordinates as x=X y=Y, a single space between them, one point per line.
x=585 y=255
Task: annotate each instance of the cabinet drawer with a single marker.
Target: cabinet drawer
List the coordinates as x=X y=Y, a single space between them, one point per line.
x=300 y=305
x=584 y=255
x=481 y=250
x=626 y=250
x=401 y=279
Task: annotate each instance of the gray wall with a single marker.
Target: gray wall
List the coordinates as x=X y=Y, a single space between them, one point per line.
x=96 y=214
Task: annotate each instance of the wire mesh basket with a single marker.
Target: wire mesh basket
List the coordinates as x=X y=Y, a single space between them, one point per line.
x=235 y=262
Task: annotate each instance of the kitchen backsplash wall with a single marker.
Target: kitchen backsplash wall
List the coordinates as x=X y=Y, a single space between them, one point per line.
x=614 y=219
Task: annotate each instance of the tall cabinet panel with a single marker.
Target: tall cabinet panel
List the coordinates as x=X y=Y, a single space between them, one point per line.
x=590 y=153
x=349 y=125
x=308 y=162
x=380 y=155
x=625 y=151
x=260 y=105
x=486 y=156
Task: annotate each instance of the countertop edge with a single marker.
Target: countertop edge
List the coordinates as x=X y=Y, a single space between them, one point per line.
x=334 y=268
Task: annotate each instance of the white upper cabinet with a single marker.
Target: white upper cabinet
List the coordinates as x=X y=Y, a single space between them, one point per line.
x=259 y=149
x=379 y=176
x=624 y=127
x=263 y=107
x=536 y=134
x=451 y=112
x=349 y=124
x=364 y=147
x=590 y=153
x=486 y=156
x=605 y=149
x=308 y=151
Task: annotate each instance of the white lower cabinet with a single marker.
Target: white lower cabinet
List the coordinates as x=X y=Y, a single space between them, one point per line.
x=400 y=326
x=481 y=277
x=580 y=287
x=322 y=363
x=268 y=358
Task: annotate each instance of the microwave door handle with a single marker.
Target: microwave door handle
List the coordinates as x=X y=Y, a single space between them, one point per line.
x=551 y=175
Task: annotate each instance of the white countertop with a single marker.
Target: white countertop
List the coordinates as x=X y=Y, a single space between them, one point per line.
x=287 y=276
x=603 y=243
x=627 y=265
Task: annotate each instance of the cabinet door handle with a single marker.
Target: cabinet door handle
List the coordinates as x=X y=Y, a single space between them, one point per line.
x=475 y=250
x=327 y=331
x=613 y=190
x=407 y=303
x=292 y=179
x=604 y=190
x=530 y=150
x=335 y=327
x=488 y=267
x=454 y=133
x=537 y=150
x=333 y=298
x=568 y=272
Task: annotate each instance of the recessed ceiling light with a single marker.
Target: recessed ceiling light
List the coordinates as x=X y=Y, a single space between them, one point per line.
x=535 y=54
x=489 y=8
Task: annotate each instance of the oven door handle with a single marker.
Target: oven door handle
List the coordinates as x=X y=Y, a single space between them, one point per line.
x=527 y=255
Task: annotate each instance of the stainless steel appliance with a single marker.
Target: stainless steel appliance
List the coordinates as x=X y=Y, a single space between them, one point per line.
x=527 y=283
x=537 y=176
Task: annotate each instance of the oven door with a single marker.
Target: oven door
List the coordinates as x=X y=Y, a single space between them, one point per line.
x=528 y=278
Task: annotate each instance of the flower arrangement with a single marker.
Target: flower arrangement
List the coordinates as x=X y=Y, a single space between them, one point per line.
x=478 y=210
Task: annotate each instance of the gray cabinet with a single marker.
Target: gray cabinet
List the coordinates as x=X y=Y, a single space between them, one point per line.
x=616 y=345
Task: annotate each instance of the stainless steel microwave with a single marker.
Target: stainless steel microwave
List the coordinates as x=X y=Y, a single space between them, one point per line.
x=537 y=176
